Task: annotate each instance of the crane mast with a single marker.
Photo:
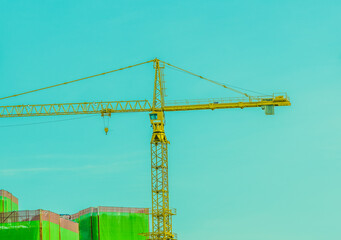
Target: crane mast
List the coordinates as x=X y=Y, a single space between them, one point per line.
x=161 y=212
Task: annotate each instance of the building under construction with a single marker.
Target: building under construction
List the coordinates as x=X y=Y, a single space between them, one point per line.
x=101 y=223
x=8 y=202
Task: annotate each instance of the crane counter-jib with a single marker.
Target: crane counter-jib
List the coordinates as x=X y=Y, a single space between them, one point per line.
x=217 y=105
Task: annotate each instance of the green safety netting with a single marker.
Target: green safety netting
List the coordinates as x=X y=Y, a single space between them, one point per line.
x=36 y=225
x=109 y=223
x=19 y=230
x=8 y=202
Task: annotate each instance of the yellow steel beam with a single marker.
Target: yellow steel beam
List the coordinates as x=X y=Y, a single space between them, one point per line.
x=200 y=105
x=137 y=106
x=74 y=108
x=161 y=214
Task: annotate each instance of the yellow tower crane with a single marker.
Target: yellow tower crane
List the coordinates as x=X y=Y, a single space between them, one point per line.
x=161 y=212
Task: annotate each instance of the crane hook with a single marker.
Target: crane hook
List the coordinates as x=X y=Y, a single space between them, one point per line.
x=106 y=117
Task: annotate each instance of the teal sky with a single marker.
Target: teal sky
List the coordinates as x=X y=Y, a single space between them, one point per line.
x=234 y=174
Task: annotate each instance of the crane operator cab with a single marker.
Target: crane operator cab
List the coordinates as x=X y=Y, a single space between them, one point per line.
x=157 y=121
x=156 y=117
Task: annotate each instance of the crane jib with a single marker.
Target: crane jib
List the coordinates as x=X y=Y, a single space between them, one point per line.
x=131 y=106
